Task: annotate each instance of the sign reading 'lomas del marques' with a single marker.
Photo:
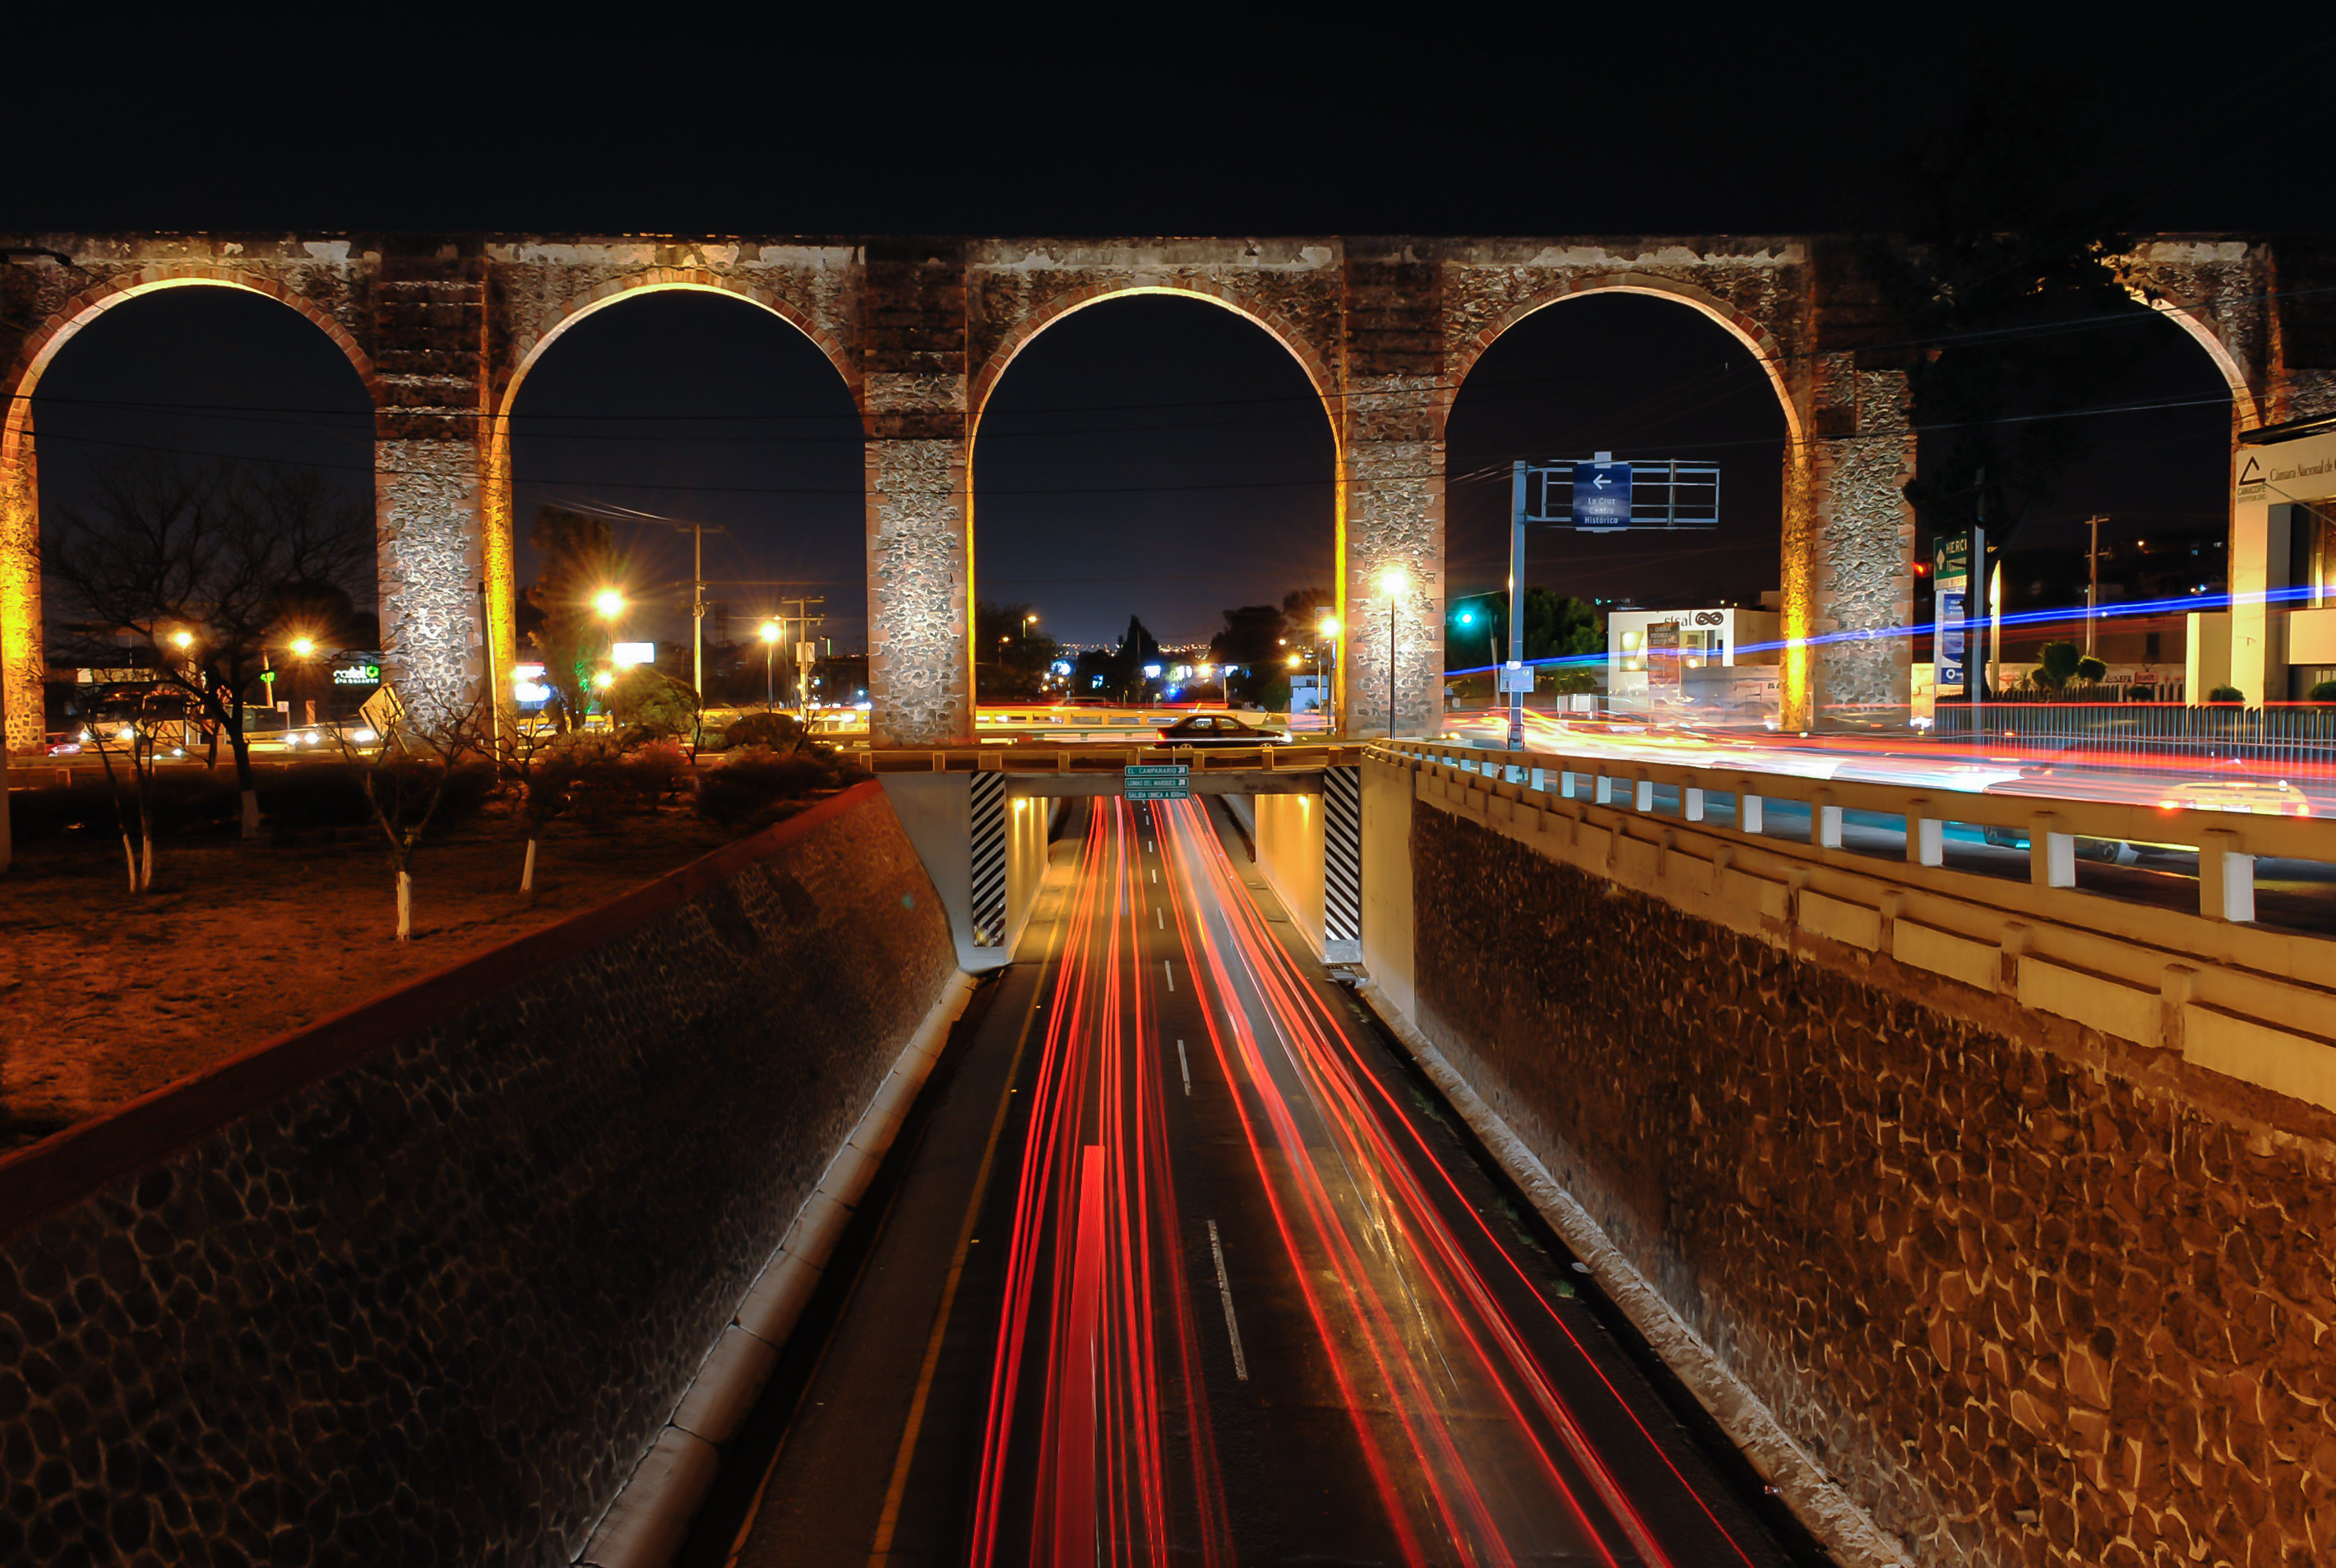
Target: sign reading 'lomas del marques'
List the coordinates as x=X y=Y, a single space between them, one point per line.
x=1157 y=782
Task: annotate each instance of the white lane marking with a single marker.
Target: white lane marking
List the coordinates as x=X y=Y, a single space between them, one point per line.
x=1184 y=1067
x=1168 y=972
x=1225 y=1291
x=1155 y=875
x=1159 y=920
x=1147 y=849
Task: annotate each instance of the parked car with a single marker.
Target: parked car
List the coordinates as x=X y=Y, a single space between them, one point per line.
x=1219 y=730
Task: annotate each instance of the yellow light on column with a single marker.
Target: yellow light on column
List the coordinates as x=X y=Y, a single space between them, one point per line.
x=1395 y=582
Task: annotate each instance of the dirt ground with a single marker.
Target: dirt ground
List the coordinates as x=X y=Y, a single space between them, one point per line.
x=105 y=995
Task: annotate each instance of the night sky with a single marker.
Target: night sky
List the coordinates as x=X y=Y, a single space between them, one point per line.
x=1149 y=456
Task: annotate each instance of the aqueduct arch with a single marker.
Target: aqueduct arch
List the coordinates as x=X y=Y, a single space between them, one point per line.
x=22 y=641
x=1052 y=312
x=498 y=526
x=1786 y=379
x=443 y=328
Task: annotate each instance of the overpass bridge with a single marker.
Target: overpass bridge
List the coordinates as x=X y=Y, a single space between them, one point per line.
x=1703 y=1157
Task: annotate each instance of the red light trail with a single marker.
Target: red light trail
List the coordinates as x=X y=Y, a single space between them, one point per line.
x=1482 y=1430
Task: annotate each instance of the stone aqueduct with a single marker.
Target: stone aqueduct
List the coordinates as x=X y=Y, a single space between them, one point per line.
x=442 y=330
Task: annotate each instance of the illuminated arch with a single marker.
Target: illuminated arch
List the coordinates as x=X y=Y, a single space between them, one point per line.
x=2185 y=315
x=1746 y=329
x=1061 y=308
x=496 y=543
x=21 y=653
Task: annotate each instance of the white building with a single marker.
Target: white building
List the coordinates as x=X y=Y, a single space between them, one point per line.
x=2278 y=637
x=1652 y=654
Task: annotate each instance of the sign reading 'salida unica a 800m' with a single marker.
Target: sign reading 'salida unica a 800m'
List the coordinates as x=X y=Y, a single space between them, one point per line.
x=1157 y=782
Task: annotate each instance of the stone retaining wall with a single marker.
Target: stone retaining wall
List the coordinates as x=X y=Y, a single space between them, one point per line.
x=420 y=1283
x=2031 y=1296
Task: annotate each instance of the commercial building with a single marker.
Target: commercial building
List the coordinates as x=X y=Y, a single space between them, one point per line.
x=2277 y=640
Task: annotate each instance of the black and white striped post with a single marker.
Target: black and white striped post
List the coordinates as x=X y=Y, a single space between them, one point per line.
x=988 y=864
x=1342 y=865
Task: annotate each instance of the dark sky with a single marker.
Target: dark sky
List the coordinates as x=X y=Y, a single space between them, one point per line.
x=1150 y=456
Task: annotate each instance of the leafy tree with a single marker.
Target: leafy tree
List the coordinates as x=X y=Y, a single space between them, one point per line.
x=2058 y=663
x=198 y=562
x=1252 y=639
x=648 y=704
x=1557 y=626
x=2091 y=670
x=580 y=559
x=1011 y=654
x=1996 y=246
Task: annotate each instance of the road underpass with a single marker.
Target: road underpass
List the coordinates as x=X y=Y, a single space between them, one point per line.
x=1182 y=1262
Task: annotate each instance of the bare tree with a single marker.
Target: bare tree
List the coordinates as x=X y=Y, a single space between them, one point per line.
x=133 y=736
x=404 y=763
x=545 y=764
x=198 y=561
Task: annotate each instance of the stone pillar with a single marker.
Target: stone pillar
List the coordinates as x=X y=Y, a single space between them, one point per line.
x=1391 y=500
x=21 y=654
x=1849 y=543
x=920 y=499
x=429 y=458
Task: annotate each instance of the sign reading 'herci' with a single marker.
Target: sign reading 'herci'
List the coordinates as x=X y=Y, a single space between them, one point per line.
x=1157 y=782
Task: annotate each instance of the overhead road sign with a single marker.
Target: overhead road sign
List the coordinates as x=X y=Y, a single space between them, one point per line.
x=1601 y=495
x=1157 y=782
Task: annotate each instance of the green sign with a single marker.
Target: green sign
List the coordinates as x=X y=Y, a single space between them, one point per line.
x=1157 y=782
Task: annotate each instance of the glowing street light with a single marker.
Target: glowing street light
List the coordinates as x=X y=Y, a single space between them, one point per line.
x=603 y=681
x=182 y=640
x=303 y=647
x=610 y=603
x=770 y=635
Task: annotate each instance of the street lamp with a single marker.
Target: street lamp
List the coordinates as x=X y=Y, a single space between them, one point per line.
x=1393 y=583
x=610 y=603
x=770 y=635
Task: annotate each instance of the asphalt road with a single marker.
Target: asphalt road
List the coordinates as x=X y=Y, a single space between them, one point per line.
x=1178 y=1261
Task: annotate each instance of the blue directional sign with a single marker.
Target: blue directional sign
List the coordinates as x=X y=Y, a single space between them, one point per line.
x=1601 y=495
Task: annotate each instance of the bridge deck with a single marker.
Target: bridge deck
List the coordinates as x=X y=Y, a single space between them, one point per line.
x=1110 y=759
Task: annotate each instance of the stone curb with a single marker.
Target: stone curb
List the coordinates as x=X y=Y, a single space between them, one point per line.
x=1839 y=1525
x=647 y=1522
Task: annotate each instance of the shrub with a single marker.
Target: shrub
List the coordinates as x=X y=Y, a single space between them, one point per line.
x=652 y=704
x=750 y=787
x=313 y=795
x=2057 y=662
x=773 y=731
x=2325 y=691
x=2090 y=669
x=2141 y=694
x=55 y=810
x=657 y=770
x=2226 y=693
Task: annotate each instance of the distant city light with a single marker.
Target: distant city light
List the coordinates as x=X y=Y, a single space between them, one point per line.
x=1152 y=672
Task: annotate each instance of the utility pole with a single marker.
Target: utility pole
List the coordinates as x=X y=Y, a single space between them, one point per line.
x=803 y=651
x=1516 y=606
x=2093 y=580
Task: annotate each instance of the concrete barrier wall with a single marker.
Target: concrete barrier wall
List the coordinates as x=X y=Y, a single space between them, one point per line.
x=2027 y=1290
x=422 y=1282
x=1288 y=828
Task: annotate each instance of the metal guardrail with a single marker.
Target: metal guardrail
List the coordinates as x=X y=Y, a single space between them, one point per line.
x=2228 y=843
x=2298 y=739
x=1108 y=758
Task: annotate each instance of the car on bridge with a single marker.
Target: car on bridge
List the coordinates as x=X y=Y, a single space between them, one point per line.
x=1219 y=730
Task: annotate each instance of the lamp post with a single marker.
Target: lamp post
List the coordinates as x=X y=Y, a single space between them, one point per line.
x=1326 y=624
x=1393 y=581
x=770 y=635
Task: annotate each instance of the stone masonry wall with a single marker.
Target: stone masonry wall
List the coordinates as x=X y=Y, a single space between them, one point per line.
x=431 y=1306
x=2031 y=1297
